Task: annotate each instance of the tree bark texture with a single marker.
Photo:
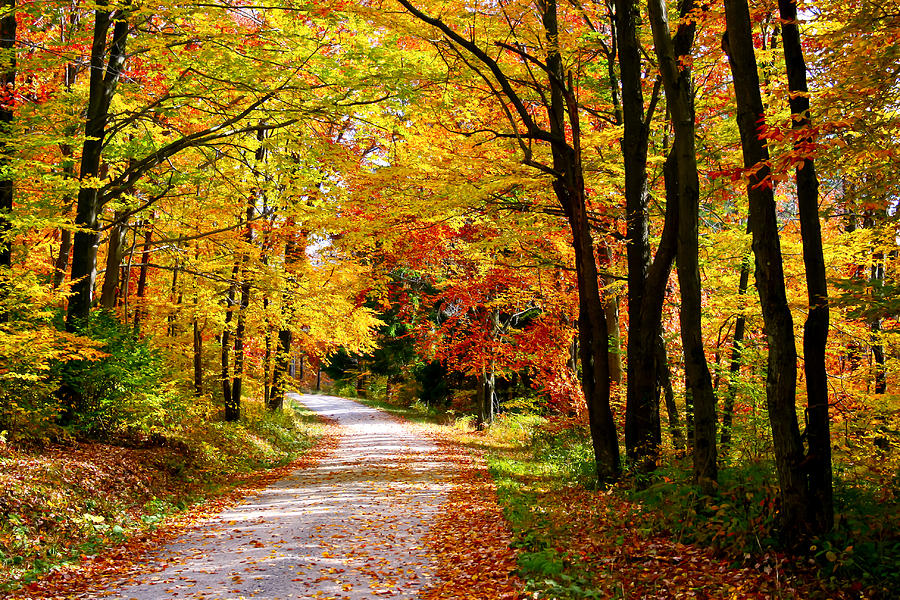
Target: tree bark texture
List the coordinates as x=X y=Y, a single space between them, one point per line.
x=781 y=374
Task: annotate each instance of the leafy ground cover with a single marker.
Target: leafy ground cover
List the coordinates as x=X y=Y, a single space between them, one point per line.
x=85 y=507
x=659 y=538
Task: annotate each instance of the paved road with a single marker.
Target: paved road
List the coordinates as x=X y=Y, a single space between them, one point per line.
x=351 y=527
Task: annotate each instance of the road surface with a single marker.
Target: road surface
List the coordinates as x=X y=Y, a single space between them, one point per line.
x=350 y=527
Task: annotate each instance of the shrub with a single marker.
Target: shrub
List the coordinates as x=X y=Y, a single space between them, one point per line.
x=120 y=388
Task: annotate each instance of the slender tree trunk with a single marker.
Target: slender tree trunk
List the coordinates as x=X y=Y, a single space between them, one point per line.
x=103 y=84
x=240 y=328
x=781 y=375
x=611 y=307
x=734 y=366
x=294 y=250
x=679 y=97
x=115 y=254
x=646 y=281
x=198 y=360
x=70 y=72
x=7 y=117
x=877 y=274
x=268 y=383
x=232 y=408
x=569 y=189
x=815 y=330
x=664 y=378
x=142 y=278
x=640 y=444
x=125 y=288
x=175 y=295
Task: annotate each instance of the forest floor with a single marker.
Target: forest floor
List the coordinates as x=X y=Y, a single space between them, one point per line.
x=387 y=507
x=376 y=509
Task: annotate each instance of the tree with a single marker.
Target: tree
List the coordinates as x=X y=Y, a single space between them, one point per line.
x=676 y=74
x=763 y=224
x=562 y=133
x=820 y=516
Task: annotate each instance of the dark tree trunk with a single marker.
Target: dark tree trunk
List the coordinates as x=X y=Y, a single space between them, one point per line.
x=569 y=189
x=103 y=84
x=664 y=378
x=175 y=295
x=240 y=328
x=641 y=445
x=114 y=256
x=815 y=330
x=7 y=106
x=678 y=84
x=646 y=281
x=198 y=360
x=294 y=250
x=734 y=366
x=142 y=279
x=781 y=374
x=232 y=408
x=877 y=275
x=268 y=376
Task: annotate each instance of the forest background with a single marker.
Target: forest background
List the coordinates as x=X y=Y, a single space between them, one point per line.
x=668 y=227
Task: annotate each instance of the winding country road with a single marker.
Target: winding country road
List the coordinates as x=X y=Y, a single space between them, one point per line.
x=350 y=527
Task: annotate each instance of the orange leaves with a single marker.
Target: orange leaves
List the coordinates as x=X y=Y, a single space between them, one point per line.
x=470 y=540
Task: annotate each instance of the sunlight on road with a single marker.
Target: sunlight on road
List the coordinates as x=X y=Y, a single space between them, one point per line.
x=350 y=527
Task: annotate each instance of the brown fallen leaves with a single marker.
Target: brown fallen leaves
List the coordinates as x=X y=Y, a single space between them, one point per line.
x=470 y=540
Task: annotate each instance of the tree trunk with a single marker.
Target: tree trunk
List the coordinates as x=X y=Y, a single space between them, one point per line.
x=198 y=360
x=142 y=278
x=646 y=281
x=815 y=330
x=664 y=377
x=175 y=295
x=294 y=250
x=781 y=375
x=734 y=367
x=232 y=408
x=103 y=84
x=7 y=105
x=569 y=189
x=678 y=84
x=611 y=307
x=114 y=256
x=240 y=329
